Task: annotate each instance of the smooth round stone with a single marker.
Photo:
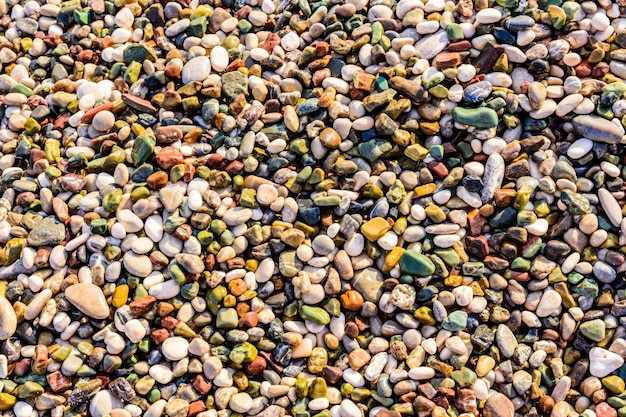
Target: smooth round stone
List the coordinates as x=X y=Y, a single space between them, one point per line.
x=124 y=18
x=103 y=120
x=498 y=405
x=611 y=207
x=219 y=58
x=580 y=148
x=421 y=373
x=445 y=241
x=175 y=348
x=598 y=238
x=240 y=403
x=323 y=245
x=486 y=16
x=290 y=42
x=538 y=227
x=257 y=17
x=134 y=330
x=15 y=99
x=237 y=216
x=196 y=69
x=349 y=409
x=161 y=373
x=139 y=265
x=121 y=35
x=506 y=340
x=131 y=222
x=604 y=272
x=266 y=194
x=549 y=304
x=466 y=72
x=463 y=295
x=177 y=28
x=89 y=299
x=154 y=228
x=142 y=245
x=456 y=345
x=259 y=54
x=22 y=409
x=600 y=21
x=588 y=224
x=388 y=241
x=568 y=104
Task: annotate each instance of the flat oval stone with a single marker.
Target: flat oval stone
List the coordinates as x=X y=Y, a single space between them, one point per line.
x=494 y=174
x=482 y=117
x=430 y=46
x=476 y=93
x=611 y=207
x=237 y=216
x=550 y=302
x=89 y=299
x=196 y=69
x=597 y=128
x=580 y=148
x=139 y=265
x=175 y=348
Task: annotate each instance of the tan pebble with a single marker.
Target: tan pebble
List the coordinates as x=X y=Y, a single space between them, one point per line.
x=588 y=224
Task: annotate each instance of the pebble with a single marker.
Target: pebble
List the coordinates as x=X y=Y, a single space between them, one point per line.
x=611 y=207
x=196 y=69
x=103 y=121
x=139 y=265
x=498 y=405
x=8 y=319
x=175 y=348
x=549 y=304
x=603 y=362
x=580 y=148
x=89 y=299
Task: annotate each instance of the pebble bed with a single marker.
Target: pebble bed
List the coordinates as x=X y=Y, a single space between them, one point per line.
x=369 y=208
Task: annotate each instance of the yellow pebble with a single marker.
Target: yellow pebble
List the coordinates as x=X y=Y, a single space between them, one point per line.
x=375 y=228
x=425 y=189
x=453 y=281
x=476 y=290
x=392 y=258
x=230 y=301
x=120 y=296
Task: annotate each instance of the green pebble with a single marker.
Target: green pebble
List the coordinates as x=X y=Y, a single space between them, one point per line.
x=315 y=314
x=243 y=352
x=413 y=262
x=457 y=320
x=227 y=318
x=454 y=32
x=464 y=377
x=30 y=389
x=377 y=32
x=327 y=201
x=593 y=329
x=143 y=148
x=481 y=117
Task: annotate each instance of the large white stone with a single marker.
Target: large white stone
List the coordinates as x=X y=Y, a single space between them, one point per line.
x=603 y=362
